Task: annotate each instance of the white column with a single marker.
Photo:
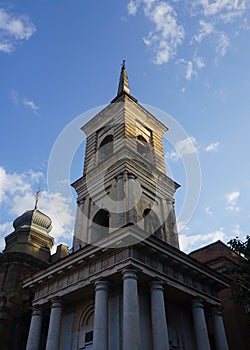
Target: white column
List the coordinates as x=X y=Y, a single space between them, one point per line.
x=158 y=317
x=34 y=336
x=100 y=340
x=219 y=330
x=53 y=339
x=200 y=326
x=131 y=321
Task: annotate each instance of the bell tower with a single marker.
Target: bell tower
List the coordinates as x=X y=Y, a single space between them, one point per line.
x=124 y=180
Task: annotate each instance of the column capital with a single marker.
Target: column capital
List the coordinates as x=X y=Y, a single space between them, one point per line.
x=36 y=310
x=56 y=302
x=217 y=310
x=101 y=285
x=81 y=201
x=119 y=176
x=132 y=176
x=197 y=303
x=156 y=285
x=129 y=273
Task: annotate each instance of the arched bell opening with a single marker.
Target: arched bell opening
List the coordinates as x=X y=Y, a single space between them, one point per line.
x=100 y=225
x=106 y=148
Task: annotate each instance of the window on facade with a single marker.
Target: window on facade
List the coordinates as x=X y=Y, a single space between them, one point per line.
x=106 y=147
x=152 y=223
x=143 y=136
x=100 y=225
x=89 y=337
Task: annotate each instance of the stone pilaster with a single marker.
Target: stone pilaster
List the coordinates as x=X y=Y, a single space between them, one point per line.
x=80 y=232
x=100 y=340
x=158 y=317
x=120 y=198
x=131 y=199
x=131 y=336
x=171 y=225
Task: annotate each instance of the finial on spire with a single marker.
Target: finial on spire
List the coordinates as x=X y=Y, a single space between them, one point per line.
x=123 y=82
x=38 y=194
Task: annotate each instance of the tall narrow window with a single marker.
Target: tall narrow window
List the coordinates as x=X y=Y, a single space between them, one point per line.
x=106 y=147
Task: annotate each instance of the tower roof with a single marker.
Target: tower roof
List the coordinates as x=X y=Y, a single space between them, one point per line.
x=123 y=82
x=34 y=218
x=123 y=87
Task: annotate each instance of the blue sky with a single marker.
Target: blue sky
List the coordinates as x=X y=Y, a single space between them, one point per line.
x=60 y=59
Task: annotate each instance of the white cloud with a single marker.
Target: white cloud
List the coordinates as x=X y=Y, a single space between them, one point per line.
x=183 y=147
x=181 y=226
x=14 y=29
x=191 y=66
x=223 y=7
x=232 y=201
x=223 y=44
x=133 y=7
x=199 y=61
x=245 y=25
x=166 y=35
x=212 y=147
x=236 y=230
x=190 y=72
x=17 y=194
x=14 y=183
x=208 y=211
x=205 y=29
x=27 y=103
x=30 y=105
x=192 y=242
x=14 y=96
x=6 y=228
x=170 y=28
x=6 y=47
x=232 y=197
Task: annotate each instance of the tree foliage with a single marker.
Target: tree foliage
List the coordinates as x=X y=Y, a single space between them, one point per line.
x=240 y=273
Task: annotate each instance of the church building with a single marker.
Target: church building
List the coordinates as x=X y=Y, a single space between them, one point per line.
x=126 y=285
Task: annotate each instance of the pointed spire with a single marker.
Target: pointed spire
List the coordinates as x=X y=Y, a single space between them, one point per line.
x=123 y=83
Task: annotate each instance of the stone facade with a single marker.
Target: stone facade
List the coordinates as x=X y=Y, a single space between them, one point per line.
x=131 y=287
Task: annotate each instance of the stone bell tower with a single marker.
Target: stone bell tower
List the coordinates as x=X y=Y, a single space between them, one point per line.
x=146 y=293
x=124 y=180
